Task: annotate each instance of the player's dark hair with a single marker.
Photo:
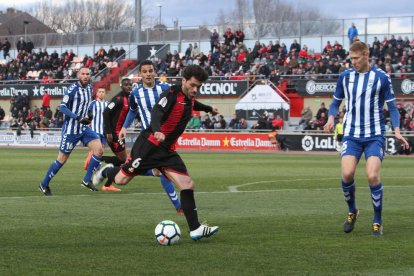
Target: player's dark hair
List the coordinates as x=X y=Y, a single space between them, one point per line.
x=196 y=72
x=146 y=62
x=124 y=80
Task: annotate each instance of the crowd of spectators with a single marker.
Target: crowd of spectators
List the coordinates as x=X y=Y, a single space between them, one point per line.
x=227 y=58
x=40 y=65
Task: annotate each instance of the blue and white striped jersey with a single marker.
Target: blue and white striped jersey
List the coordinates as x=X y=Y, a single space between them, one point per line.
x=77 y=100
x=97 y=108
x=144 y=99
x=365 y=95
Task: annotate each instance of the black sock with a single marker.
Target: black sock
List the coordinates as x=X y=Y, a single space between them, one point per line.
x=110 y=174
x=112 y=160
x=189 y=208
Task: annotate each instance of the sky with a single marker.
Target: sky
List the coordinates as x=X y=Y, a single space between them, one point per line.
x=200 y=12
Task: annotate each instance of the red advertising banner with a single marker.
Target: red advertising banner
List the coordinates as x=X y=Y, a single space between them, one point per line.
x=225 y=141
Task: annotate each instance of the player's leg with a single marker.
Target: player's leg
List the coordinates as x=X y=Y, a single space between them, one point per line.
x=351 y=153
x=169 y=188
x=87 y=160
x=186 y=186
x=92 y=140
x=52 y=171
x=66 y=146
x=374 y=154
x=118 y=148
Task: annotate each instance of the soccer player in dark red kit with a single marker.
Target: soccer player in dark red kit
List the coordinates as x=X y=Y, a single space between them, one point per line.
x=114 y=117
x=155 y=146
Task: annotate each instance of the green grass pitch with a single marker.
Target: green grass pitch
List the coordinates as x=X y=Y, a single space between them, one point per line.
x=278 y=215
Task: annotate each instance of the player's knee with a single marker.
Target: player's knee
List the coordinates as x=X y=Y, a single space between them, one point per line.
x=188 y=184
x=348 y=176
x=372 y=178
x=121 y=179
x=98 y=151
x=156 y=172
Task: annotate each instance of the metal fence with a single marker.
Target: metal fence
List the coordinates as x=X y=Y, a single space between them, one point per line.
x=314 y=34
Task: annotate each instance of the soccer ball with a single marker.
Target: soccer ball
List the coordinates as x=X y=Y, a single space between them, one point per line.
x=167 y=232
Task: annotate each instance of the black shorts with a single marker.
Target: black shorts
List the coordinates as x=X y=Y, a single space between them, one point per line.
x=145 y=155
x=339 y=137
x=117 y=146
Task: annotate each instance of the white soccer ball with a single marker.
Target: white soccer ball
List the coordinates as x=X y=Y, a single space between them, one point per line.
x=167 y=232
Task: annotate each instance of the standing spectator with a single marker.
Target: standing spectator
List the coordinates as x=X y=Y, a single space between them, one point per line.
x=295 y=46
x=6 y=48
x=238 y=36
x=21 y=45
x=29 y=46
x=352 y=33
x=45 y=100
x=228 y=37
x=214 y=40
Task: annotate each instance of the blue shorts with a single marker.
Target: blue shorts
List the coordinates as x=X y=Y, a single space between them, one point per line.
x=69 y=141
x=374 y=146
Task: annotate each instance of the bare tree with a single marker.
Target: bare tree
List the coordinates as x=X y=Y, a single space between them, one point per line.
x=84 y=15
x=275 y=18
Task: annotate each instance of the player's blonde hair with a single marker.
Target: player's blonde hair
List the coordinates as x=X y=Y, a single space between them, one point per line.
x=359 y=46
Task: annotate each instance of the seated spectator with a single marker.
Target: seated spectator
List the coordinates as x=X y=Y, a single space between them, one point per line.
x=277 y=123
x=261 y=123
x=207 y=123
x=305 y=118
x=194 y=122
x=233 y=122
x=220 y=123
x=321 y=110
x=242 y=124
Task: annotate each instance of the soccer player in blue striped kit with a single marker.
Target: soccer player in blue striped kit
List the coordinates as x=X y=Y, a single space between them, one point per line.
x=141 y=102
x=365 y=89
x=75 y=128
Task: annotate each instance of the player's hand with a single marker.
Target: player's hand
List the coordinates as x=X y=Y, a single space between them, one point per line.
x=214 y=111
x=159 y=136
x=328 y=127
x=403 y=141
x=109 y=138
x=122 y=134
x=85 y=121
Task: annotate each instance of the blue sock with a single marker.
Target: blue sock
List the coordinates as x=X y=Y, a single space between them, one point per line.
x=349 y=195
x=170 y=190
x=376 y=195
x=94 y=165
x=53 y=170
x=149 y=173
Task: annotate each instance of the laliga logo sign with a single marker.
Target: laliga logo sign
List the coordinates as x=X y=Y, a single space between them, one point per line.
x=309 y=143
x=313 y=87
x=407 y=86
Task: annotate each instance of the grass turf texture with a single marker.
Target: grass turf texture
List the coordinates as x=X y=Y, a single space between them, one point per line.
x=284 y=217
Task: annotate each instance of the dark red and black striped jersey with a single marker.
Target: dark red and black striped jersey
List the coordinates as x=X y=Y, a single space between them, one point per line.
x=170 y=116
x=115 y=113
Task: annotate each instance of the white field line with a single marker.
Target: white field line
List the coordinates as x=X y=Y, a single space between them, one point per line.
x=234 y=189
